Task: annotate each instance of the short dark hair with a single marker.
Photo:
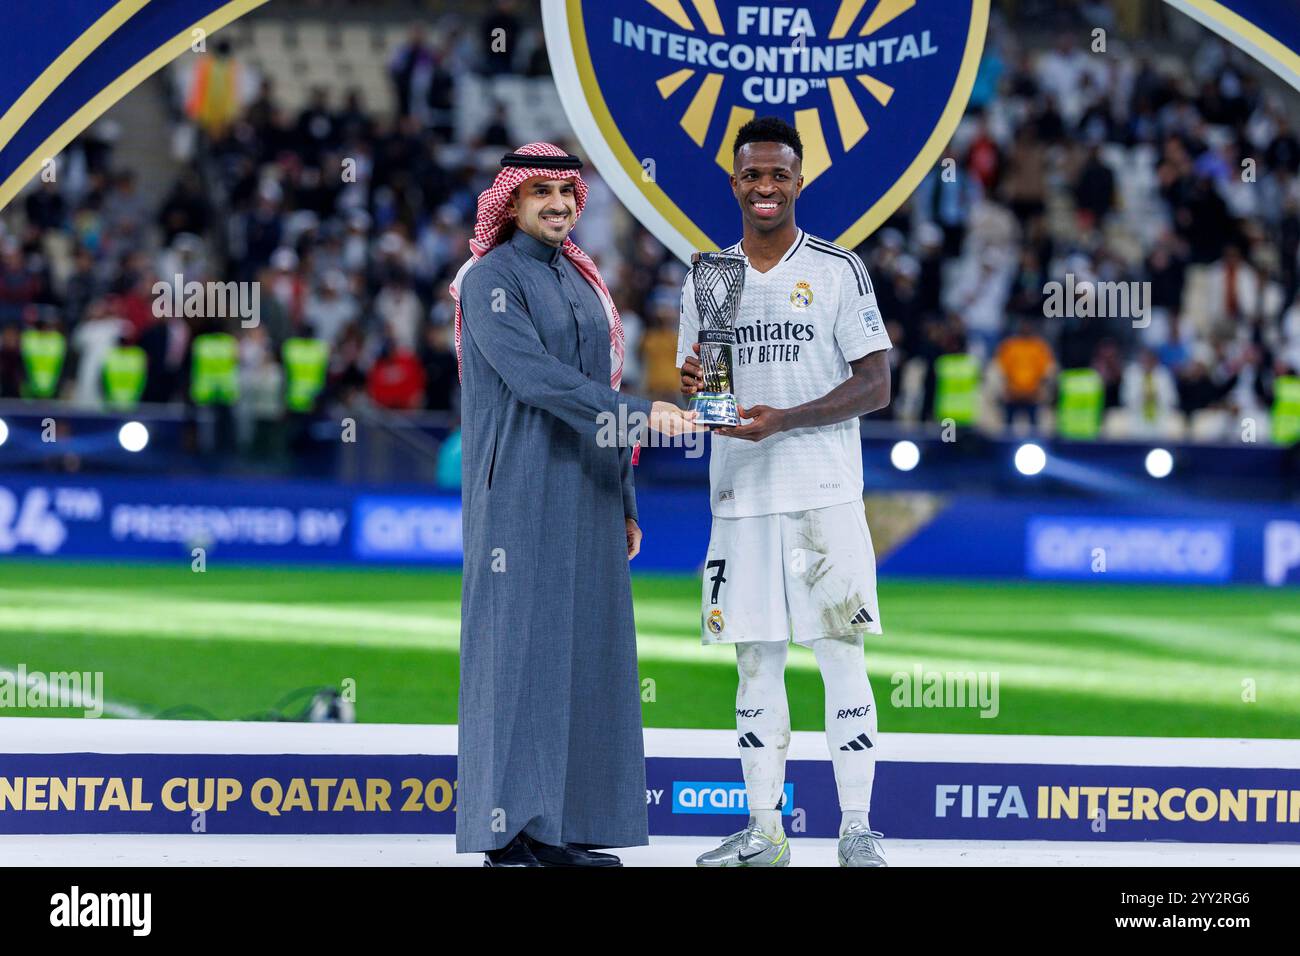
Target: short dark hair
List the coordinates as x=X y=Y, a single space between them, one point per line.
x=768 y=129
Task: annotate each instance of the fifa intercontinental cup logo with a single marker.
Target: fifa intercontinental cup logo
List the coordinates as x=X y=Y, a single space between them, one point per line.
x=719 y=279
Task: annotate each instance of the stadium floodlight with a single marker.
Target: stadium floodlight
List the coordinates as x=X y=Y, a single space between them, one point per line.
x=1030 y=459
x=4 y=431
x=1159 y=463
x=904 y=455
x=133 y=436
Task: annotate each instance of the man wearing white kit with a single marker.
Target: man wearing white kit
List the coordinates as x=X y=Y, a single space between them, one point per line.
x=790 y=555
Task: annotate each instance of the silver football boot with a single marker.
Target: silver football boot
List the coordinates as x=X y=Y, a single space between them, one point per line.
x=858 y=847
x=750 y=847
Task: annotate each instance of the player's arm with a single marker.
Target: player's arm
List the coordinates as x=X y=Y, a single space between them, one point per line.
x=510 y=343
x=863 y=392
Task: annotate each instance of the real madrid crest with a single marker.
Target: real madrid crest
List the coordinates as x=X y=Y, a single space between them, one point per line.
x=715 y=621
x=802 y=296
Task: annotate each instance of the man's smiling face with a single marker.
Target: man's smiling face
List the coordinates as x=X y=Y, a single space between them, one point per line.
x=546 y=209
x=766 y=182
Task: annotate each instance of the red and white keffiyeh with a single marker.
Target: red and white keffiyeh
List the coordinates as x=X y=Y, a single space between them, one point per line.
x=492 y=219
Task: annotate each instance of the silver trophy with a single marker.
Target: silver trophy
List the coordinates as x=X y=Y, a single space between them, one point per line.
x=719 y=279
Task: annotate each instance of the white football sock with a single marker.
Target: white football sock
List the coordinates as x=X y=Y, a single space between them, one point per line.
x=763 y=729
x=850 y=817
x=850 y=724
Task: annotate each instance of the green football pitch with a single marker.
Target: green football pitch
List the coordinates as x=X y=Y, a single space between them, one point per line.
x=237 y=643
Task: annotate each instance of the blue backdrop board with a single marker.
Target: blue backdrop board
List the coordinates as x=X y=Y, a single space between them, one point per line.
x=1150 y=540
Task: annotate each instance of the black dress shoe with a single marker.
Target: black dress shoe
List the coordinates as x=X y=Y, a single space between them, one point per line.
x=515 y=853
x=569 y=854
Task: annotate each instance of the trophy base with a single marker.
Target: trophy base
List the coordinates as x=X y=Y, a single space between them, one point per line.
x=717 y=409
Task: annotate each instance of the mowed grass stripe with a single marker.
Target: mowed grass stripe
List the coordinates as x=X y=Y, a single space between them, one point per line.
x=1071 y=659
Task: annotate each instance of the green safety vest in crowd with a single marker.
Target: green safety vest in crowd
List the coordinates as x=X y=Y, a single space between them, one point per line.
x=215 y=369
x=1078 y=411
x=305 y=364
x=43 y=354
x=1286 y=410
x=124 y=374
x=957 y=388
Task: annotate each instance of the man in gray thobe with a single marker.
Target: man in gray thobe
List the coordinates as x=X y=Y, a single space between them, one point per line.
x=551 y=762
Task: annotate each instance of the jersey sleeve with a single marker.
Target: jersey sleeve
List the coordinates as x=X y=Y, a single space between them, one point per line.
x=859 y=326
x=688 y=322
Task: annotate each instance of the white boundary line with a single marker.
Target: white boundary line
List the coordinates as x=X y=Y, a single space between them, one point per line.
x=38 y=680
x=73 y=735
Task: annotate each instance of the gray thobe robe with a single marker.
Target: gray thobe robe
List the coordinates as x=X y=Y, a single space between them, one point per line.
x=550 y=705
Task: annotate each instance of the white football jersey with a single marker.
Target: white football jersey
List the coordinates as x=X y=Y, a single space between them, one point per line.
x=798 y=327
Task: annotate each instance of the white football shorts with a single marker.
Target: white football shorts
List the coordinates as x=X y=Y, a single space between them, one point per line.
x=800 y=575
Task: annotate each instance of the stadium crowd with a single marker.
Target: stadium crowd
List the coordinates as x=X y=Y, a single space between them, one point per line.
x=1180 y=175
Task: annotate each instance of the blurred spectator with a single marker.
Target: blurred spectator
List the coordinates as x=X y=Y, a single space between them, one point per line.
x=166 y=343
x=45 y=206
x=396 y=379
x=11 y=362
x=134 y=305
x=1167 y=268
x=354 y=121
x=101 y=331
x=283 y=284
x=1197 y=390
x=501 y=35
x=659 y=347
x=497 y=133
x=1108 y=362
x=441 y=374
x=261 y=398
x=979 y=299
x=125 y=214
x=1094 y=190
x=83 y=285
x=1024 y=186
x=1235 y=291
x=186 y=209
x=984 y=157
x=410 y=69
x=946 y=197
x=1149 y=395
x=22 y=283
x=331 y=307
x=216 y=89
x=398 y=310
x=317 y=132
x=1026 y=362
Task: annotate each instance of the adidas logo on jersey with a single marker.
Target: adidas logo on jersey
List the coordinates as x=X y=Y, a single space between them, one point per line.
x=750 y=740
x=860 y=742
